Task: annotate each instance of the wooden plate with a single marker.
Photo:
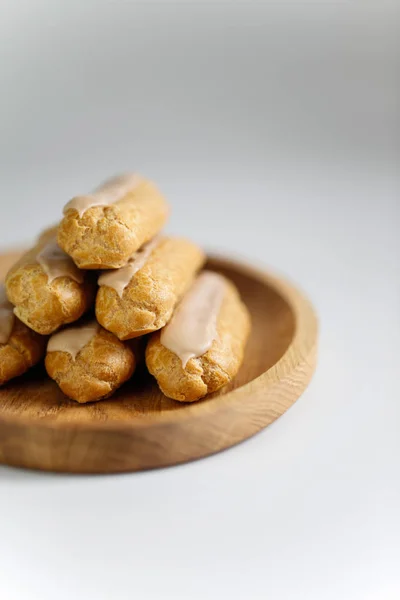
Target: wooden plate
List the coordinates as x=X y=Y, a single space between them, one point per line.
x=139 y=428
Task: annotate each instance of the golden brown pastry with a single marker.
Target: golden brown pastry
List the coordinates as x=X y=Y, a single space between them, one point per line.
x=47 y=289
x=103 y=229
x=140 y=297
x=202 y=347
x=20 y=347
x=88 y=362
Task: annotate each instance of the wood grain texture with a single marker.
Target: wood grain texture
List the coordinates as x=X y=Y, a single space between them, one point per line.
x=139 y=428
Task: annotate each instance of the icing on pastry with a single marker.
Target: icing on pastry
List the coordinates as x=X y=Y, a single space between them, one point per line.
x=56 y=263
x=111 y=191
x=193 y=327
x=118 y=279
x=6 y=316
x=73 y=339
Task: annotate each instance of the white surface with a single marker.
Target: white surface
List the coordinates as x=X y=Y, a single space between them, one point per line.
x=272 y=131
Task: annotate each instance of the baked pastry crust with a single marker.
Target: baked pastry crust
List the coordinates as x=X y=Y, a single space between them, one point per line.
x=43 y=305
x=149 y=299
x=104 y=237
x=99 y=369
x=23 y=350
x=214 y=369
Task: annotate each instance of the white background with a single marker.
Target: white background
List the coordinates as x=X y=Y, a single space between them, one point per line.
x=271 y=127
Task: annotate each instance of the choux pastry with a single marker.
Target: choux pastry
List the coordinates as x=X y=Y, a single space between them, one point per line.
x=88 y=362
x=202 y=347
x=20 y=347
x=47 y=289
x=140 y=297
x=103 y=229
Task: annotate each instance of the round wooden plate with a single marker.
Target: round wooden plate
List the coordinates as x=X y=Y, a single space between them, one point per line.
x=139 y=428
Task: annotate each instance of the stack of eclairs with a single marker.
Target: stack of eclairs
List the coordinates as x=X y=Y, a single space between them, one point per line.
x=89 y=290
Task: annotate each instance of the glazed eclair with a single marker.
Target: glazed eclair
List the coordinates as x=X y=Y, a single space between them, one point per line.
x=201 y=349
x=87 y=362
x=20 y=347
x=103 y=229
x=140 y=297
x=47 y=289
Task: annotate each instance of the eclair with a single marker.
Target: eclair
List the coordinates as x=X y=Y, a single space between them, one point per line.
x=103 y=229
x=87 y=362
x=202 y=347
x=20 y=347
x=47 y=289
x=140 y=297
